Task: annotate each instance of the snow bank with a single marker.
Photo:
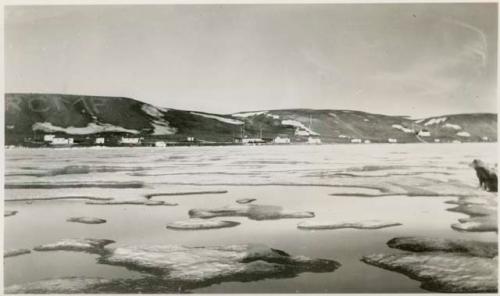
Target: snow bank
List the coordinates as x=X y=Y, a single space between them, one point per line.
x=91 y=128
x=435 y=120
x=219 y=118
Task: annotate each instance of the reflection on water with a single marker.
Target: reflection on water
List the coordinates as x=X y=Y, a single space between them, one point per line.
x=171 y=169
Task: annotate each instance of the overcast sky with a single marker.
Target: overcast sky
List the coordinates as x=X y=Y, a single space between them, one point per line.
x=406 y=59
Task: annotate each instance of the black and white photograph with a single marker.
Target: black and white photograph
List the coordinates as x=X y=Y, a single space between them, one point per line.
x=250 y=148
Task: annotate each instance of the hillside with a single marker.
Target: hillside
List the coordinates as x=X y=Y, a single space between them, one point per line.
x=30 y=115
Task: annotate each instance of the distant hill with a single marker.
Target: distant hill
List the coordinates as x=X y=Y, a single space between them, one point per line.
x=28 y=115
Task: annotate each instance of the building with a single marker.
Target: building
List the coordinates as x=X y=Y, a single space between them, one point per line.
x=160 y=144
x=48 y=138
x=190 y=139
x=391 y=140
x=281 y=139
x=485 y=139
x=356 y=141
x=129 y=141
x=61 y=141
x=367 y=141
x=248 y=141
x=424 y=133
x=303 y=133
x=99 y=141
x=313 y=140
x=437 y=140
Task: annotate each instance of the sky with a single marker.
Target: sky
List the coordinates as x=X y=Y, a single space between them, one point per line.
x=396 y=59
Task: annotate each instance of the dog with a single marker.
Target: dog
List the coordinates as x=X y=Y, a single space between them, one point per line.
x=488 y=179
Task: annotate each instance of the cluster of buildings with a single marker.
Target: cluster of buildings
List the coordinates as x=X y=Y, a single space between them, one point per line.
x=279 y=140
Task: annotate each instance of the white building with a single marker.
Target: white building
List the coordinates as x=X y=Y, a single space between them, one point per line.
x=299 y=132
x=99 y=141
x=130 y=141
x=61 y=141
x=424 y=133
x=48 y=138
x=190 y=139
x=342 y=136
x=486 y=139
x=367 y=141
x=281 y=139
x=252 y=141
x=391 y=140
x=160 y=144
x=437 y=140
x=313 y=140
x=356 y=141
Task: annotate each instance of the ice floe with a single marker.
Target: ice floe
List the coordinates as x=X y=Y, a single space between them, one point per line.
x=86 y=220
x=132 y=202
x=8 y=213
x=245 y=200
x=16 y=252
x=365 y=224
x=199 y=224
x=254 y=212
x=451 y=266
x=89 y=245
x=203 y=265
x=430 y=244
x=185 y=193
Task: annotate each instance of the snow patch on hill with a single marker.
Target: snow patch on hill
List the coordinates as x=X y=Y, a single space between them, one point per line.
x=403 y=129
x=249 y=114
x=435 y=120
x=153 y=111
x=161 y=127
x=453 y=126
x=300 y=128
x=91 y=128
x=463 y=134
x=219 y=118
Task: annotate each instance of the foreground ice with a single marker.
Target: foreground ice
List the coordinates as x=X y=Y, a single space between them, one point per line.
x=366 y=224
x=69 y=285
x=452 y=266
x=198 y=224
x=482 y=211
x=254 y=212
x=218 y=264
